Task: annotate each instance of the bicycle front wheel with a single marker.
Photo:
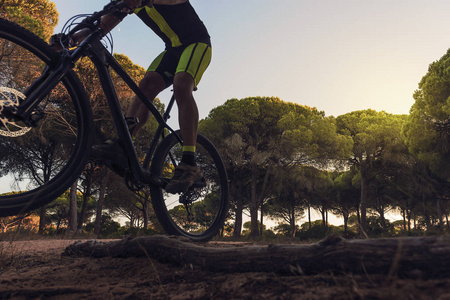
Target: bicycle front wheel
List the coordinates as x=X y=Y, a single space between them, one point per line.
x=198 y=214
x=38 y=163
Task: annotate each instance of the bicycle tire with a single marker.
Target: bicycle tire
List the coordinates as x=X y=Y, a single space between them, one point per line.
x=39 y=163
x=209 y=210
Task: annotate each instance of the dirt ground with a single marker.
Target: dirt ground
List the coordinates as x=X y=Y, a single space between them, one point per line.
x=38 y=270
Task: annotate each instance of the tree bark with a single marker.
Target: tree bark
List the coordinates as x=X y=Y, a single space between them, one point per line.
x=404 y=219
x=439 y=213
x=446 y=219
x=363 y=204
x=73 y=208
x=257 y=199
x=426 y=214
x=292 y=221
x=238 y=222
x=86 y=195
x=411 y=257
x=408 y=215
x=101 y=199
x=345 y=215
x=145 y=207
x=415 y=221
x=324 y=221
x=42 y=215
x=309 y=215
x=254 y=204
x=261 y=227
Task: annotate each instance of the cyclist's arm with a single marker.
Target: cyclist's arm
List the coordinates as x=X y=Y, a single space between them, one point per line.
x=108 y=22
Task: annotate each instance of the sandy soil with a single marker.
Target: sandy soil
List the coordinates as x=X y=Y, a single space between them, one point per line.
x=37 y=270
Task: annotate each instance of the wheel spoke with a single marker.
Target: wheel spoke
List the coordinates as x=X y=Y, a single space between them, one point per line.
x=37 y=163
x=198 y=213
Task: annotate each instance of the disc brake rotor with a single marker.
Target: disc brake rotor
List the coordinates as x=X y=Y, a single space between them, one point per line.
x=10 y=98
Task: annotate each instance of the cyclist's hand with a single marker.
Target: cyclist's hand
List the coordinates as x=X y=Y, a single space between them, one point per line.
x=59 y=41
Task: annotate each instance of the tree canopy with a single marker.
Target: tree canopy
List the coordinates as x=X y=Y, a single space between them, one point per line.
x=38 y=16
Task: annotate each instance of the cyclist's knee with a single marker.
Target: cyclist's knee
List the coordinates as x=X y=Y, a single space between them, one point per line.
x=183 y=84
x=152 y=84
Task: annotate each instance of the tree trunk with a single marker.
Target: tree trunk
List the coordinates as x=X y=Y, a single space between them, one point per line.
x=309 y=216
x=57 y=225
x=86 y=196
x=254 y=230
x=345 y=215
x=238 y=221
x=257 y=199
x=73 y=208
x=404 y=219
x=408 y=216
x=382 y=217
x=261 y=229
x=426 y=215
x=446 y=219
x=131 y=221
x=292 y=221
x=415 y=221
x=363 y=204
x=145 y=213
x=101 y=199
x=439 y=213
x=358 y=215
x=42 y=214
x=411 y=257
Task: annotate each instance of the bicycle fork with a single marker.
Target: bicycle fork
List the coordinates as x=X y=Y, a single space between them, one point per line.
x=27 y=111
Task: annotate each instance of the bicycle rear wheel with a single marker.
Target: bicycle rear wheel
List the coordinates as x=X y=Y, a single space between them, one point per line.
x=199 y=213
x=39 y=163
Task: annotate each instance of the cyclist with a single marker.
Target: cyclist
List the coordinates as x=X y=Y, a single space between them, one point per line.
x=186 y=56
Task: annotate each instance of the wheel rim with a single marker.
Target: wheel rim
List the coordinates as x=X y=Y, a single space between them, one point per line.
x=34 y=157
x=199 y=212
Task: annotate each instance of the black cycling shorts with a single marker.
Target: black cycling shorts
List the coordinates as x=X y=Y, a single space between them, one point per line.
x=193 y=59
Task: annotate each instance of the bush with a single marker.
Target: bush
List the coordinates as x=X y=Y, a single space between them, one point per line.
x=108 y=227
x=135 y=232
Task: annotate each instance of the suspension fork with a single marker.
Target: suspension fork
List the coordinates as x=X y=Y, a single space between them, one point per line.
x=40 y=88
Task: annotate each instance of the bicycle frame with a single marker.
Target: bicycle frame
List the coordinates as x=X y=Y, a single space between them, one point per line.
x=102 y=59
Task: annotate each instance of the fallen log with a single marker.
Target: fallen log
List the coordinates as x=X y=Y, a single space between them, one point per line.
x=411 y=257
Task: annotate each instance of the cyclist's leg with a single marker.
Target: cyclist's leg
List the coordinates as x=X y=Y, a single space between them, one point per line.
x=183 y=86
x=192 y=64
x=158 y=77
x=111 y=152
x=151 y=85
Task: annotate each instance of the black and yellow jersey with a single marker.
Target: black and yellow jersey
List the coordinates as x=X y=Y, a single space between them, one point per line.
x=177 y=25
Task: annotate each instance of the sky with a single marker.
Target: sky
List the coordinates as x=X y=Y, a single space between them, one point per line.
x=336 y=55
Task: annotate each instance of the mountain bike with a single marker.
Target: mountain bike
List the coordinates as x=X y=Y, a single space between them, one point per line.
x=46 y=132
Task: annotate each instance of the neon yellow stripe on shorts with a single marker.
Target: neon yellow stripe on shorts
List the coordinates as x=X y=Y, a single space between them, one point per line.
x=194 y=60
x=154 y=65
